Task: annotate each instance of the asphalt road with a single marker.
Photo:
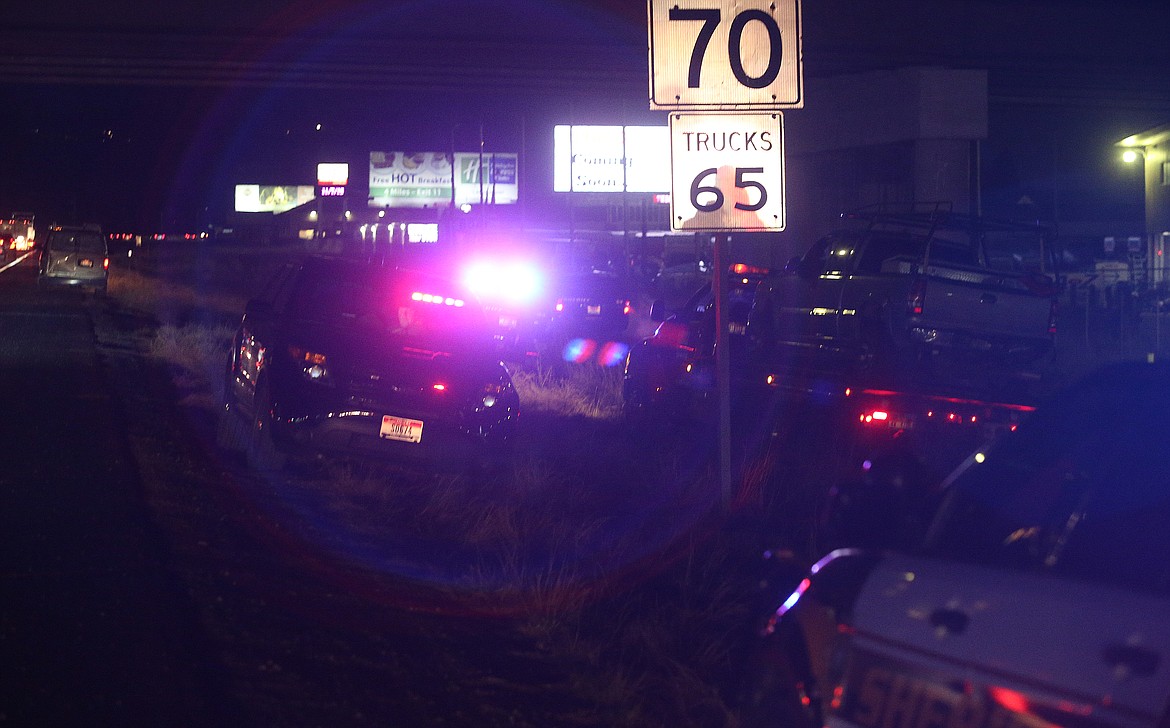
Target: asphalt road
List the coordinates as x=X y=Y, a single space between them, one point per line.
x=95 y=628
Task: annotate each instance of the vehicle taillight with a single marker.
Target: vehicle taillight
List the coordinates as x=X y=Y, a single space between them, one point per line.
x=741 y=269
x=916 y=298
x=105 y=263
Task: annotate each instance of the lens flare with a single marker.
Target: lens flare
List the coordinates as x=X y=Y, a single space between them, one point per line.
x=579 y=351
x=612 y=354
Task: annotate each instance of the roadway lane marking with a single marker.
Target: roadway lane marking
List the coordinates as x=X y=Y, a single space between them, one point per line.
x=15 y=261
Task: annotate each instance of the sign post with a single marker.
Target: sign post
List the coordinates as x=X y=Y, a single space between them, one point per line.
x=724 y=69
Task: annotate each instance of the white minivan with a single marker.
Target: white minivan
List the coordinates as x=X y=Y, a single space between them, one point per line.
x=75 y=255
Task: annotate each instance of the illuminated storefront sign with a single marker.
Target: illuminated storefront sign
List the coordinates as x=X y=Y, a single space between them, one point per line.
x=332 y=174
x=590 y=159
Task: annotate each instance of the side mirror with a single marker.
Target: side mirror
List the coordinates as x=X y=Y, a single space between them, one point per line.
x=658 y=311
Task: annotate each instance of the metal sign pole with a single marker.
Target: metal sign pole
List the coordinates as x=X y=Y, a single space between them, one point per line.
x=723 y=365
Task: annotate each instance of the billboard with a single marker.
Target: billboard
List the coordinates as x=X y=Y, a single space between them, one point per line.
x=272 y=198
x=590 y=159
x=424 y=179
x=332 y=174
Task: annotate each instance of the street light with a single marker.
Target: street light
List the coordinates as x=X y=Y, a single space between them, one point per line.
x=1131 y=155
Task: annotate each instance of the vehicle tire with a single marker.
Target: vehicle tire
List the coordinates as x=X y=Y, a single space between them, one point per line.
x=638 y=411
x=773 y=692
x=262 y=452
x=231 y=434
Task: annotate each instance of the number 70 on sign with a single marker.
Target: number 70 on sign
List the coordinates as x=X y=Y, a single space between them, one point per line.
x=725 y=55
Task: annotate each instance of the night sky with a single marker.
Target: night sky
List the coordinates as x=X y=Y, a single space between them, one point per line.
x=131 y=115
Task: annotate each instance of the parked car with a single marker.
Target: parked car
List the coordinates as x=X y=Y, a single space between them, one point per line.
x=364 y=360
x=589 y=304
x=891 y=291
x=1037 y=595
x=74 y=256
x=673 y=370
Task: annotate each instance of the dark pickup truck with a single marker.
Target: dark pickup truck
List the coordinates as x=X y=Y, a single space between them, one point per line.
x=894 y=293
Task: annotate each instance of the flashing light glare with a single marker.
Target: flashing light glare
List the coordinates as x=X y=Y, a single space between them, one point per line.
x=980 y=457
x=951 y=416
x=439 y=387
x=848 y=392
x=579 y=351
x=770 y=379
x=690 y=367
x=612 y=354
x=437 y=299
x=515 y=281
x=793 y=598
x=560 y=306
x=627 y=308
x=880 y=415
x=1013 y=428
x=867 y=465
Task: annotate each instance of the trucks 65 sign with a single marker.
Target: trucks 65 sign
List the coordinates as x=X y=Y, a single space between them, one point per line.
x=727 y=171
x=725 y=55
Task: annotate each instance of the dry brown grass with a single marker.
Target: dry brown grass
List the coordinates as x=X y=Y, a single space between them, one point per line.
x=595 y=542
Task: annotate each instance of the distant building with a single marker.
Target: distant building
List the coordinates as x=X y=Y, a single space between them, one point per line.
x=1151 y=147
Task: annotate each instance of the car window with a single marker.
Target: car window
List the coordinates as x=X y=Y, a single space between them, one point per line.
x=1071 y=495
x=81 y=242
x=411 y=306
x=830 y=255
x=953 y=247
x=278 y=290
x=1014 y=252
x=881 y=247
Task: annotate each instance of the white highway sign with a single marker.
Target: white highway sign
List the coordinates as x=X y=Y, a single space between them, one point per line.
x=727 y=171
x=725 y=55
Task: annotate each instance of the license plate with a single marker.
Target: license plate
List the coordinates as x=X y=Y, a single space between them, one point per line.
x=884 y=694
x=593 y=310
x=86 y=263
x=402 y=429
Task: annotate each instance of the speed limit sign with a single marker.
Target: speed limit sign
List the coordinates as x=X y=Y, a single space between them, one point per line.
x=725 y=55
x=727 y=171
